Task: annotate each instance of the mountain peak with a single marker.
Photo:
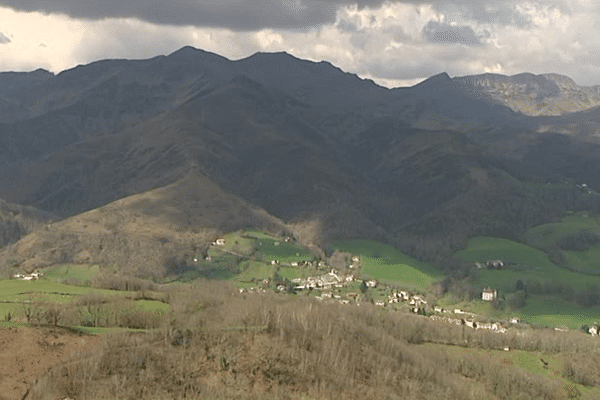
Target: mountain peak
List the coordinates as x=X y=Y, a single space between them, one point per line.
x=435 y=80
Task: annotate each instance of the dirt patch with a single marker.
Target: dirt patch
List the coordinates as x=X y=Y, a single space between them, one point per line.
x=27 y=353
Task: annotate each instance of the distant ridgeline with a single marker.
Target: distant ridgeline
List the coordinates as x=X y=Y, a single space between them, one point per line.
x=173 y=151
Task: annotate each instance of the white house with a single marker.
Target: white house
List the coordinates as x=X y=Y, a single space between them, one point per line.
x=220 y=242
x=514 y=320
x=594 y=330
x=489 y=294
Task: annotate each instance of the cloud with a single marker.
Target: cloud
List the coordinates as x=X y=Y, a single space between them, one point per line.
x=445 y=33
x=393 y=43
x=4 y=39
x=240 y=15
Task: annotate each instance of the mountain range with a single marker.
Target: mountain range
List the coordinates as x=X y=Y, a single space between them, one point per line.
x=142 y=162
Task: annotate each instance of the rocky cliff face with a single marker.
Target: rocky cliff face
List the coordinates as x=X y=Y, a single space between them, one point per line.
x=534 y=95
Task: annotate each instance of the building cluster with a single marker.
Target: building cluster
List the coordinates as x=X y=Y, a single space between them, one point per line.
x=29 y=277
x=491 y=264
x=492 y=327
x=323 y=282
x=416 y=302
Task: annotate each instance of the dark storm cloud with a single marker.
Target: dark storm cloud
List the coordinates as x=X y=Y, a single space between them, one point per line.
x=247 y=15
x=442 y=33
x=232 y=14
x=4 y=39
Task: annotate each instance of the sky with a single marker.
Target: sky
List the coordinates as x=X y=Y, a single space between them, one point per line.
x=395 y=43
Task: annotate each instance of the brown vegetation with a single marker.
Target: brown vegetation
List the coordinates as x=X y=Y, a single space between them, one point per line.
x=141 y=234
x=218 y=343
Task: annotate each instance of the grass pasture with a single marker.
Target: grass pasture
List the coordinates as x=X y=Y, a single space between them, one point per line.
x=585 y=261
x=546 y=235
x=294 y=272
x=78 y=273
x=283 y=252
x=254 y=270
x=238 y=242
x=543 y=310
x=536 y=265
x=385 y=263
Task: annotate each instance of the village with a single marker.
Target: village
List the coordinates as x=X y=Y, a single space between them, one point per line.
x=335 y=286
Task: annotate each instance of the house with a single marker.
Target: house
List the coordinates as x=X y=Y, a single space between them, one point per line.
x=514 y=320
x=478 y=265
x=355 y=259
x=294 y=263
x=494 y=264
x=471 y=324
x=380 y=303
x=220 y=242
x=489 y=294
x=438 y=309
x=458 y=311
x=372 y=283
x=594 y=330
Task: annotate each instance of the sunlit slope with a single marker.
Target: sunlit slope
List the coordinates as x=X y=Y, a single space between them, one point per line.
x=384 y=262
x=529 y=264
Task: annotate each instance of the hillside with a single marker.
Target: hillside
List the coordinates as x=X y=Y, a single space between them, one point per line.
x=423 y=168
x=17 y=220
x=152 y=234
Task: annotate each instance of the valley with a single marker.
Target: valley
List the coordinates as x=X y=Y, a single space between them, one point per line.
x=270 y=227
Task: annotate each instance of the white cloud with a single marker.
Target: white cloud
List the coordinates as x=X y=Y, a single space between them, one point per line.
x=394 y=44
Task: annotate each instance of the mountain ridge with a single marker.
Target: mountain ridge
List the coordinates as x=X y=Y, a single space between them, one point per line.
x=319 y=149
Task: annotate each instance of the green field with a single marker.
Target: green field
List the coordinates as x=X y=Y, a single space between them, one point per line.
x=546 y=235
x=283 y=252
x=10 y=289
x=556 y=312
x=81 y=273
x=295 y=272
x=254 y=270
x=385 y=263
x=152 y=305
x=237 y=243
x=535 y=264
x=585 y=261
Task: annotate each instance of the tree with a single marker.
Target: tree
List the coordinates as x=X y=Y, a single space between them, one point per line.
x=54 y=313
x=363 y=287
x=520 y=286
